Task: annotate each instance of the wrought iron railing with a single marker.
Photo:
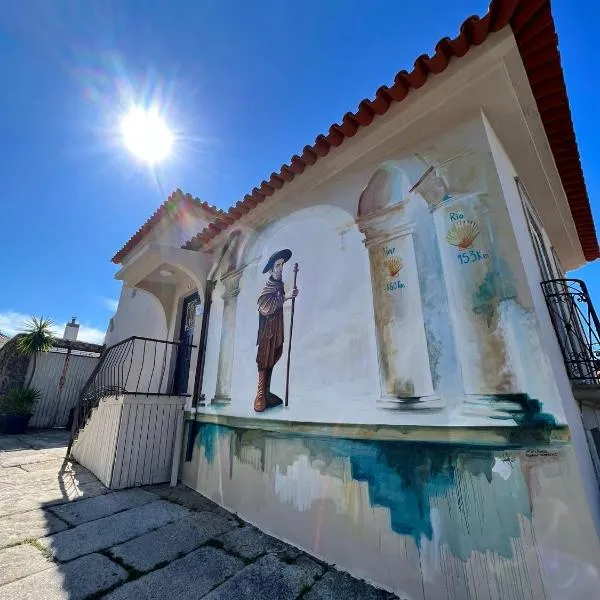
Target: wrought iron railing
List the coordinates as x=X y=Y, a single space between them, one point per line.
x=577 y=328
x=136 y=365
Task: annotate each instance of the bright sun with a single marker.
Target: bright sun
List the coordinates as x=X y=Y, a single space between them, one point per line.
x=146 y=135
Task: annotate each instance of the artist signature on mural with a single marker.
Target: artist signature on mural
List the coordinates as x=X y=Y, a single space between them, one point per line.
x=536 y=452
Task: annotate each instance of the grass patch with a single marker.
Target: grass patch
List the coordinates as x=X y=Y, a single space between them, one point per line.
x=214 y=543
x=240 y=522
x=46 y=553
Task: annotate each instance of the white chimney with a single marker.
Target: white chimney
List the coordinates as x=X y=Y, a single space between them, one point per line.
x=71 y=330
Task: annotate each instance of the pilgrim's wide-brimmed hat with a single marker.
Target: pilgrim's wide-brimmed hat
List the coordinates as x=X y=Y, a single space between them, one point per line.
x=284 y=254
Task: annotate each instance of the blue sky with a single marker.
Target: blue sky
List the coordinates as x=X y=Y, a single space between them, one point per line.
x=245 y=86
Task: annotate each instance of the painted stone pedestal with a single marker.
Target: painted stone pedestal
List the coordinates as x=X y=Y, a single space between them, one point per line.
x=405 y=373
x=495 y=337
x=476 y=285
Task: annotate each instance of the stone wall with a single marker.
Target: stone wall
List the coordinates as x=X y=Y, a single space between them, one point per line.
x=13 y=366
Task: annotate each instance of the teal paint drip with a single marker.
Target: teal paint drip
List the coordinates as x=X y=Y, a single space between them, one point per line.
x=478 y=510
x=208 y=438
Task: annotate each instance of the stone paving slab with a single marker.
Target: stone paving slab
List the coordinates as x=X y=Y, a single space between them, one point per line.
x=15 y=459
x=54 y=444
x=8 y=473
x=44 y=473
x=188 y=578
x=74 y=581
x=67 y=491
x=335 y=584
x=18 y=527
x=249 y=543
x=185 y=545
x=19 y=561
x=90 y=509
x=37 y=482
x=57 y=464
x=44 y=438
x=24 y=450
x=187 y=497
x=269 y=579
x=112 y=530
x=172 y=541
x=9 y=442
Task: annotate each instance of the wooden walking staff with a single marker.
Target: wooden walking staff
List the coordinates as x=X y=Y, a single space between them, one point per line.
x=287 y=377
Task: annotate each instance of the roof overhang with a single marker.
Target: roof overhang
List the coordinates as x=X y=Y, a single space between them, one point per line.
x=146 y=264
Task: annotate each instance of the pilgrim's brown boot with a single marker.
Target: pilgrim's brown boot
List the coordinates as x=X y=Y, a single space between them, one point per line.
x=271 y=399
x=260 y=402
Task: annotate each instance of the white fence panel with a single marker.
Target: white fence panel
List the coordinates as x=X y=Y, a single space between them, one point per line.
x=147 y=440
x=59 y=376
x=46 y=379
x=131 y=440
x=95 y=445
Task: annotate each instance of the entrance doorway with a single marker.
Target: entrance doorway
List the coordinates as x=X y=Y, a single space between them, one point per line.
x=186 y=339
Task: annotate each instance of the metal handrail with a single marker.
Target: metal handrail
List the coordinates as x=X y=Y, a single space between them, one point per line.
x=129 y=367
x=577 y=328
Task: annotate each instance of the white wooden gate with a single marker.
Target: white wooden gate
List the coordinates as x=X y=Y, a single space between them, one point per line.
x=60 y=375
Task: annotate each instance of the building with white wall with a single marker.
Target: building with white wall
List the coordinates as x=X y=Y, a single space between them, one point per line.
x=420 y=430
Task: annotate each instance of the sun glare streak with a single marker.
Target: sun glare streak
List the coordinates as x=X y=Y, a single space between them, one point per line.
x=146 y=135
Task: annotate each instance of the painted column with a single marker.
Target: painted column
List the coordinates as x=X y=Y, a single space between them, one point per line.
x=231 y=283
x=403 y=358
x=478 y=283
x=472 y=280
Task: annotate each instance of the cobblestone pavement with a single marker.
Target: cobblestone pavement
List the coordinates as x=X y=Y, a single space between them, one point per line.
x=63 y=535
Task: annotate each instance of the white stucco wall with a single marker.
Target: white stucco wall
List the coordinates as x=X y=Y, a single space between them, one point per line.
x=507 y=174
x=138 y=314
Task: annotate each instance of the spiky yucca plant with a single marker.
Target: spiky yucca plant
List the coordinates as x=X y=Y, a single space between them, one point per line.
x=19 y=401
x=37 y=337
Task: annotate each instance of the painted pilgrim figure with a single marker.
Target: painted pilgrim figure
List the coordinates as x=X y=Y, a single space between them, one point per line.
x=270 y=328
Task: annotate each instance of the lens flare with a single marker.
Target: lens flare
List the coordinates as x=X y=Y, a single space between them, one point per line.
x=146 y=135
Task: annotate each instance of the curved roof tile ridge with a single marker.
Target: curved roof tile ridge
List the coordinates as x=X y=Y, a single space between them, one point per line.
x=533 y=27
x=175 y=200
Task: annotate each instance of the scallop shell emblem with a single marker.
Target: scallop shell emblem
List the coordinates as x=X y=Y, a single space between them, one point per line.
x=463 y=234
x=393 y=265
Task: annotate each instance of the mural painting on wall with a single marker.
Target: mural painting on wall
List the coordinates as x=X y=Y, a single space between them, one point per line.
x=432 y=251
x=425 y=318
x=271 y=336
x=447 y=275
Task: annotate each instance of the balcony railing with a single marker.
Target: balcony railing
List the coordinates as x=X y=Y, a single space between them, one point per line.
x=577 y=328
x=136 y=365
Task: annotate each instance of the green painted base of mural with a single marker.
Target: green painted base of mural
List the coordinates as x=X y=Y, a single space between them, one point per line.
x=484 y=436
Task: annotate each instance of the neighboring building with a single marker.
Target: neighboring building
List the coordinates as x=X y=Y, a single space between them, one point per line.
x=431 y=441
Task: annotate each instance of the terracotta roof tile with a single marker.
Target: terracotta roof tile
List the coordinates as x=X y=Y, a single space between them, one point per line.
x=176 y=201
x=533 y=27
